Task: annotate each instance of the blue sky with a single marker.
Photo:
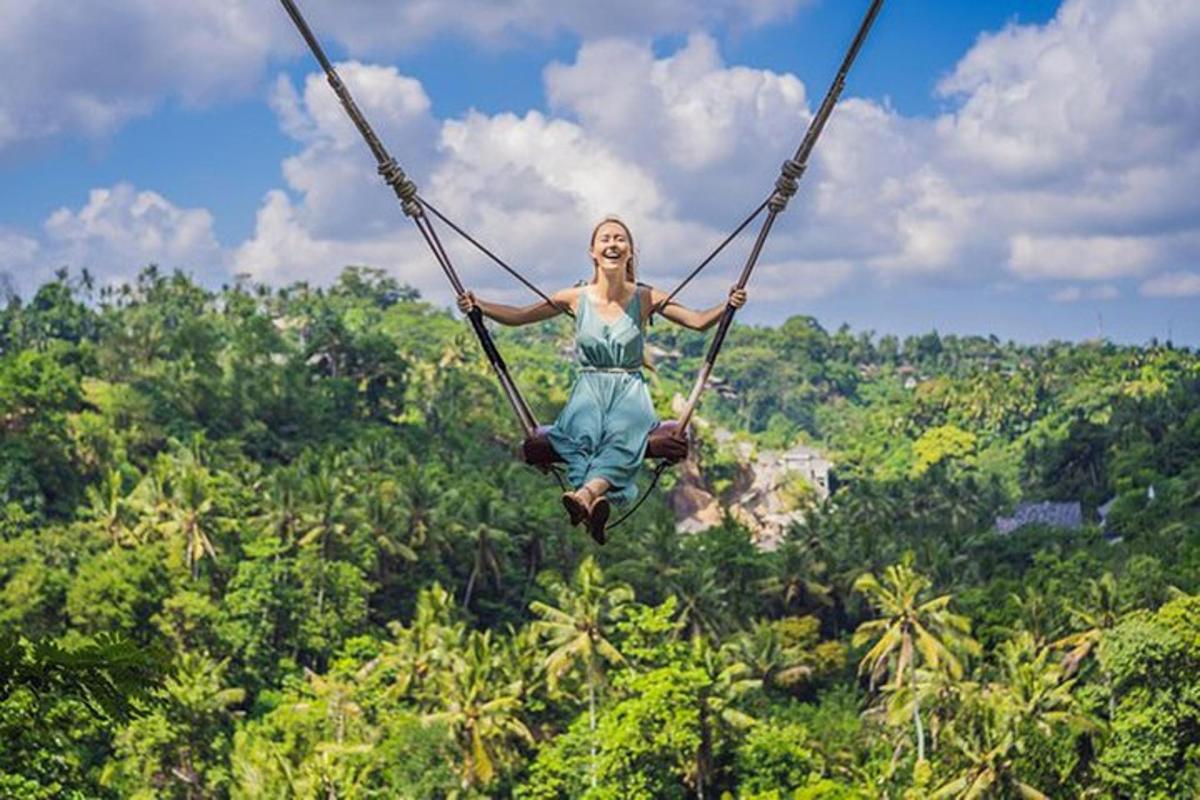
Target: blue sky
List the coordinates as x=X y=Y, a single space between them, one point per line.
x=1016 y=168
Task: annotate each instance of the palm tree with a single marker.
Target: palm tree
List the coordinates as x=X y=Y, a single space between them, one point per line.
x=656 y=561
x=798 y=574
x=282 y=513
x=179 y=498
x=487 y=531
x=998 y=721
x=422 y=498
x=728 y=680
x=909 y=631
x=701 y=590
x=410 y=665
x=1101 y=615
x=109 y=507
x=327 y=516
x=766 y=656
x=385 y=520
x=577 y=629
x=480 y=706
x=1038 y=611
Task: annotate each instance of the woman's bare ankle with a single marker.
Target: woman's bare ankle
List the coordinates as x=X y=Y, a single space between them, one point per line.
x=585 y=495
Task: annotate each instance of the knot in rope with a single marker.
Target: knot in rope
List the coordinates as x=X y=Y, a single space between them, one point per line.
x=786 y=185
x=405 y=189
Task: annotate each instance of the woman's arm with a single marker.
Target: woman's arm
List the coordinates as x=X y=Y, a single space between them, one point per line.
x=696 y=320
x=520 y=315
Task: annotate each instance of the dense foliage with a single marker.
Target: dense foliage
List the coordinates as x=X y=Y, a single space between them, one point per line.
x=273 y=543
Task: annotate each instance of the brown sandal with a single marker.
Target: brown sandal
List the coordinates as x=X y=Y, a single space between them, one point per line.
x=576 y=508
x=598 y=519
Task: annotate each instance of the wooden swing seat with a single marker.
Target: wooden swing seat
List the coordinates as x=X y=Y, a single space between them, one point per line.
x=663 y=443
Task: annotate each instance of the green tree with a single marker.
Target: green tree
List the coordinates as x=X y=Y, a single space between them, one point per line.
x=910 y=631
x=180 y=750
x=481 y=707
x=578 y=627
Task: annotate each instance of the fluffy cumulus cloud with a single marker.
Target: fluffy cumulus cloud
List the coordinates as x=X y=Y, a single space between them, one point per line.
x=87 y=68
x=1067 y=159
x=337 y=211
x=1078 y=139
x=119 y=230
x=531 y=184
x=1067 y=156
x=18 y=255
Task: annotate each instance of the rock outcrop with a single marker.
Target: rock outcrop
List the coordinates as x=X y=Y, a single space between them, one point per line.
x=763 y=494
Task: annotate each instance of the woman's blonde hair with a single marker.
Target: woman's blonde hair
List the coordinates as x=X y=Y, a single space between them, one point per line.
x=631 y=265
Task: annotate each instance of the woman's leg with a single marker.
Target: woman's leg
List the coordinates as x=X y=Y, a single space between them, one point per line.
x=595 y=488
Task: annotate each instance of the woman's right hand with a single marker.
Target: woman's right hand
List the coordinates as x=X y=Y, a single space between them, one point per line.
x=467 y=302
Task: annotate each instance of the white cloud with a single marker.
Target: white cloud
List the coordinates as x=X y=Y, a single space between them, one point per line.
x=1075 y=294
x=1172 y=284
x=284 y=250
x=1065 y=159
x=1074 y=147
x=117 y=232
x=18 y=254
x=1071 y=151
x=87 y=68
x=16 y=250
x=1079 y=257
x=1105 y=84
x=335 y=171
x=531 y=185
x=386 y=27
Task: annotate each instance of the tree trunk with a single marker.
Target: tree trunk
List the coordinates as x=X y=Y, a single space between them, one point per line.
x=704 y=754
x=592 y=726
x=917 y=719
x=470 y=587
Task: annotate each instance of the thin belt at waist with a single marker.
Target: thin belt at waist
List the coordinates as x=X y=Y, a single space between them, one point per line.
x=631 y=370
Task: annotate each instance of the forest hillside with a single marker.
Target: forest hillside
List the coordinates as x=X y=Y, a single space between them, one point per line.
x=274 y=543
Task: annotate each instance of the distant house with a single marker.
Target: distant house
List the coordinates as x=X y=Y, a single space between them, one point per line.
x=722 y=387
x=657 y=354
x=810 y=464
x=1056 y=515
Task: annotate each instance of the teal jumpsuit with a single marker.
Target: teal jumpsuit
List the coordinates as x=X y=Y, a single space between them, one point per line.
x=602 y=431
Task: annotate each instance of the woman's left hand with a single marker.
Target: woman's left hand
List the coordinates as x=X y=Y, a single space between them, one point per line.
x=737 y=297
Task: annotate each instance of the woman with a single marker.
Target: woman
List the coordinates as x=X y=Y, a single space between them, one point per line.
x=602 y=431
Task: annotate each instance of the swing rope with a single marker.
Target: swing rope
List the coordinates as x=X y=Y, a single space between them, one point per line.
x=415 y=206
x=495 y=258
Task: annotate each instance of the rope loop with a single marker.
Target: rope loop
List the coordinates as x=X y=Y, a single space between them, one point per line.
x=792 y=169
x=786 y=186
x=405 y=189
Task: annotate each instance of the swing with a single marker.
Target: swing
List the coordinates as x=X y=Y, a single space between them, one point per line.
x=668 y=440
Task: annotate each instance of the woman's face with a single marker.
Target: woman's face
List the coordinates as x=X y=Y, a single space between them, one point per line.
x=611 y=248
